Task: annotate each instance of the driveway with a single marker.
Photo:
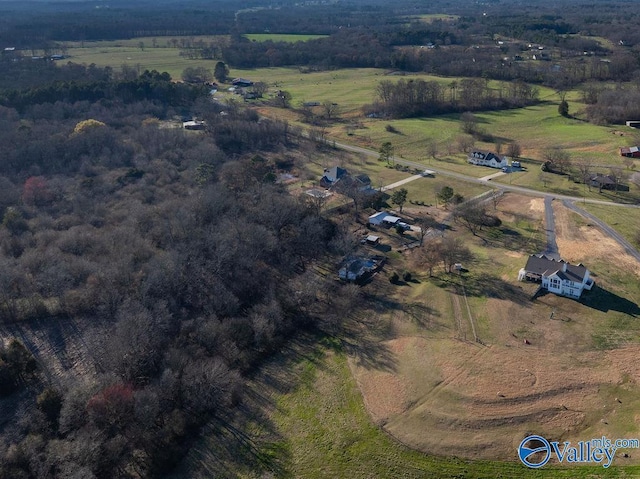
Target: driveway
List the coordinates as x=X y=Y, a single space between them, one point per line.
x=550 y=229
x=400 y=183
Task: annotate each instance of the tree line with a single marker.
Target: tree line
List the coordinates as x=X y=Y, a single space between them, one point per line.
x=410 y=98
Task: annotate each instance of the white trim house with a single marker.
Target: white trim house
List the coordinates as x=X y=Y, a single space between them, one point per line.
x=557 y=277
x=486 y=158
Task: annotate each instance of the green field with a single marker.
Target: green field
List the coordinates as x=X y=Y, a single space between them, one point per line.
x=162 y=59
x=319 y=428
x=625 y=221
x=281 y=37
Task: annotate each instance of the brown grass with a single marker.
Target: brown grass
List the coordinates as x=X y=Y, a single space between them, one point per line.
x=533 y=375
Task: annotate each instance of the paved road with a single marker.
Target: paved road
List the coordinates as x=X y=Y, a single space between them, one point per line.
x=550 y=228
x=481 y=181
x=605 y=227
x=552 y=248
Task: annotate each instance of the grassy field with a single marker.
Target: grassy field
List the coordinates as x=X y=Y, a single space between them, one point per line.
x=534 y=128
x=319 y=428
x=162 y=59
x=281 y=37
x=626 y=221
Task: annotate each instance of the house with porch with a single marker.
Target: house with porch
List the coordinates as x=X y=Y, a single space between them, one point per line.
x=557 y=276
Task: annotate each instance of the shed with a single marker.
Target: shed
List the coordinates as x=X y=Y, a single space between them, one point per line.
x=372 y=239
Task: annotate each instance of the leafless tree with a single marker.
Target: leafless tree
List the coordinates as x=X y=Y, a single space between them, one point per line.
x=472 y=215
x=432 y=149
x=514 y=150
x=559 y=158
x=465 y=143
x=584 y=167
x=454 y=251
x=331 y=109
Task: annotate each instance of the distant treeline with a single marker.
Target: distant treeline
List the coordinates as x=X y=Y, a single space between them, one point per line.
x=150 y=86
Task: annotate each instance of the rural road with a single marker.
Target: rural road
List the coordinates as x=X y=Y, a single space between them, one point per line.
x=481 y=181
x=605 y=227
x=552 y=248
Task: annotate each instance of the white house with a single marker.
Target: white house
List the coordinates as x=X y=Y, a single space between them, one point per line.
x=383 y=218
x=486 y=158
x=557 y=277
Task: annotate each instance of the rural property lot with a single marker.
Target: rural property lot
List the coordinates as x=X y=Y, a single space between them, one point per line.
x=448 y=395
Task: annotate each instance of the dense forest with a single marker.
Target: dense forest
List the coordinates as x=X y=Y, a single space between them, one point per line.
x=178 y=251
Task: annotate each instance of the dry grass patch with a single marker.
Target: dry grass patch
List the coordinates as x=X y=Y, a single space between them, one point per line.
x=554 y=377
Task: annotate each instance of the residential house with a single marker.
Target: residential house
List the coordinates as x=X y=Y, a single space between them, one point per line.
x=606 y=182
x=557 y=276
x=630 y=151
x=383 y=218
x=241 y=82
x=487 y=158
x=350 y=183
x=331 y=175
x=194 y=125
x=354 y=269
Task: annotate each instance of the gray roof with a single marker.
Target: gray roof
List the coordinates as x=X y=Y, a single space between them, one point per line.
x=542 y=265
x=334 y=174
x=484 y=155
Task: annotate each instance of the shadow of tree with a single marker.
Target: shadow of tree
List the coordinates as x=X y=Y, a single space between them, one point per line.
x=362 y=339
x=485 y=286
x=605 y=301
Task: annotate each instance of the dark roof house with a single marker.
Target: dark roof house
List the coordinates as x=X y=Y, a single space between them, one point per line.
x=331 y=175
x=557 y=276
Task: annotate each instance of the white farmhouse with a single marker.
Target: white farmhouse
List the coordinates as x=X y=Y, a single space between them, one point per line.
x=557 y=277
x=487 y=158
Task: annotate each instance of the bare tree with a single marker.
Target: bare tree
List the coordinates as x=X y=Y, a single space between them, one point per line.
x=514 y=150
x=472 y=215
x=425 y=223
x=465 y=143
x=584 y=167
x=432 y=149
x=617 y=175
x=496 y=197
x=559 y=158
x=469 y=123
x=331 y=109
x=430 y=254
x=454 y=251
